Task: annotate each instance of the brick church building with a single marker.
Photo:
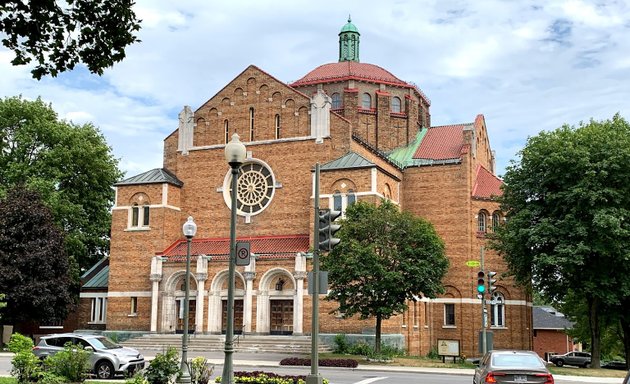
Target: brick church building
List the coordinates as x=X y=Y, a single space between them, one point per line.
x=373 y=137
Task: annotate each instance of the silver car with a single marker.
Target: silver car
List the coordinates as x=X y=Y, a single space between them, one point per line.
x=107 y=358
x=512 y=367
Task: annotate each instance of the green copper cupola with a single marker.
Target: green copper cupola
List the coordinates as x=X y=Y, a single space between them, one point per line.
x=349 y=42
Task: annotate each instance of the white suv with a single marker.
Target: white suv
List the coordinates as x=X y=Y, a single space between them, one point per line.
x=107 y=358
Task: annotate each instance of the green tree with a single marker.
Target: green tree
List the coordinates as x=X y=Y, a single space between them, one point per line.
x=568 y=217
x=385 y=258
x=35 y=271
x=70 y=165
x=57 y=35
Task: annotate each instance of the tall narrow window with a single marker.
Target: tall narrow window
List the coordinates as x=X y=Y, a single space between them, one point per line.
x=396 y=105
x=251 y=124
x=351 y=197
x=146 y=213
x=135 y=214
x=497 y=310
x=481 y=221
x=227 y=131
x=449 y=314
x=496 y=217
x=416 y=314
x=366 y=101
x=277 y=124
x=99 y=310
x=337 y=201
x=336 y=101
x=134 y=306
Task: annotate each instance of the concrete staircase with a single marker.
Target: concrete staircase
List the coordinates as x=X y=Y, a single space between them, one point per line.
x=291 y=345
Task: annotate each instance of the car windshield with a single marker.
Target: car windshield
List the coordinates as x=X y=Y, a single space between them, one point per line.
x=516 y=360
x=102 y=342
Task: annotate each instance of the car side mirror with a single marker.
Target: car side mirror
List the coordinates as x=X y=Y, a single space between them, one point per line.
x=90 y=349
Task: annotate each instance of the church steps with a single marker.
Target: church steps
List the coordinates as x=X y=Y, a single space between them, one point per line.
x=247 y=343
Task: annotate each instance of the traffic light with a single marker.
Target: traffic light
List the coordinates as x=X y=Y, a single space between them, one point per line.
x=491 y=281
x=481 y=283
x=327 y=229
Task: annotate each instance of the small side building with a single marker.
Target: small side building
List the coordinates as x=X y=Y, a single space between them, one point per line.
x=550 y=332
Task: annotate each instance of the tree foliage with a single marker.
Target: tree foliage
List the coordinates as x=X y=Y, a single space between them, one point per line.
x=385 y=258
x=57 y=35
x=70 y=165
x=36 y=274
x=568 y=216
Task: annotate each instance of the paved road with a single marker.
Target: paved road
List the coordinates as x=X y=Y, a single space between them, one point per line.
x=362 y=375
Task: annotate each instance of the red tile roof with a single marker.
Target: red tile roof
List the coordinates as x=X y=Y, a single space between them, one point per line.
x=486 y=185
x=349 y=70
x=443 y=142
x=261 y=245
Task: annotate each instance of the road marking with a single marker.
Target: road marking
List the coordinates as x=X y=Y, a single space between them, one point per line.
x=371 y=380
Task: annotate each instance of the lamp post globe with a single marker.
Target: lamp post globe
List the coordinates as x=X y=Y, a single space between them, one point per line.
x=190 y=229
x=235 y=151
x=235 y=154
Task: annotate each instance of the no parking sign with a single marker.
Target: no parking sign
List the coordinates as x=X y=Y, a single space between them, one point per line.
x=243 y=254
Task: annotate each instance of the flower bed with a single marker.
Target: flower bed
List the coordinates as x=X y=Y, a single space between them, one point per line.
x=348 y=363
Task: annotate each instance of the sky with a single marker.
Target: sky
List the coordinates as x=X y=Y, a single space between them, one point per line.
x=527 y=66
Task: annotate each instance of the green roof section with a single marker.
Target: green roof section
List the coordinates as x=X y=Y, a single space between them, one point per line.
x=404 y=155
x=349 y=27
x=348 y=161
x=100 y=280
x=154 y=176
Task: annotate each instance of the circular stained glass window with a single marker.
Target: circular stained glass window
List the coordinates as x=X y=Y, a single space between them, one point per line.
x=255 y=188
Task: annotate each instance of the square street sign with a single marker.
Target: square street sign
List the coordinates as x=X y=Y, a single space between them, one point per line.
x=243 y=255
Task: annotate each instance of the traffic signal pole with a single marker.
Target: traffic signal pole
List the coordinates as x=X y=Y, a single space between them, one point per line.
x=314 y=377
x=484 y=335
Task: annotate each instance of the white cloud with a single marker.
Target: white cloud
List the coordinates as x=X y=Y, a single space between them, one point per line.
x=526 y=66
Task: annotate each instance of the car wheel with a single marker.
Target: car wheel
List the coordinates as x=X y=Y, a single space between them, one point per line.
x=586 y=365
x=559 y=363
x=104 y=370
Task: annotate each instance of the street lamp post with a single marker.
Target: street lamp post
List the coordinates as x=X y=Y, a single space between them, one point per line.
x=190 y=229
x=235 y=156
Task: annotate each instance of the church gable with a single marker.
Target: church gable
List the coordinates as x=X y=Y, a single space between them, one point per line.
x=255 y=105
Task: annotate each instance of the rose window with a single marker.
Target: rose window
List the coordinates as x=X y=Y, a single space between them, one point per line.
x=255 y=188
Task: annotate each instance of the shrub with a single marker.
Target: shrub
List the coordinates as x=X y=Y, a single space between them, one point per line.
x=433 y=354
x=26 y=368
x=200 y=370
x=341 y=344
x=259 y=377
x=71 y=363
x=361 y=348
x=51 y=378
x=164 y=367
x=347 y=363
x=19 y=343
x=137 y=378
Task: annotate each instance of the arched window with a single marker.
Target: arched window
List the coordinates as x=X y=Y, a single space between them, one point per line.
x=351 y=197
x=337 y=201
x=227 y=131
x=497 y=310
x=251 y=124
x=135 y=215
x=482 y=221
x=496 y=220
x=145 y=214
x=277 y=124
x=366 y=101
x=396 y=105
x=336 y=101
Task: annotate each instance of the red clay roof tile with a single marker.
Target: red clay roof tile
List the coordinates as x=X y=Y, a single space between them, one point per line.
x=267 y=245
x=347 y=70
x=442 y=143
x=486 y=185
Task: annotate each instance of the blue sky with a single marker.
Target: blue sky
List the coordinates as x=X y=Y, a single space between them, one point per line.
x=526 y=65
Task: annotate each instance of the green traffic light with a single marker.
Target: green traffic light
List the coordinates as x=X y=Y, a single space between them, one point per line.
x=481 y=288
